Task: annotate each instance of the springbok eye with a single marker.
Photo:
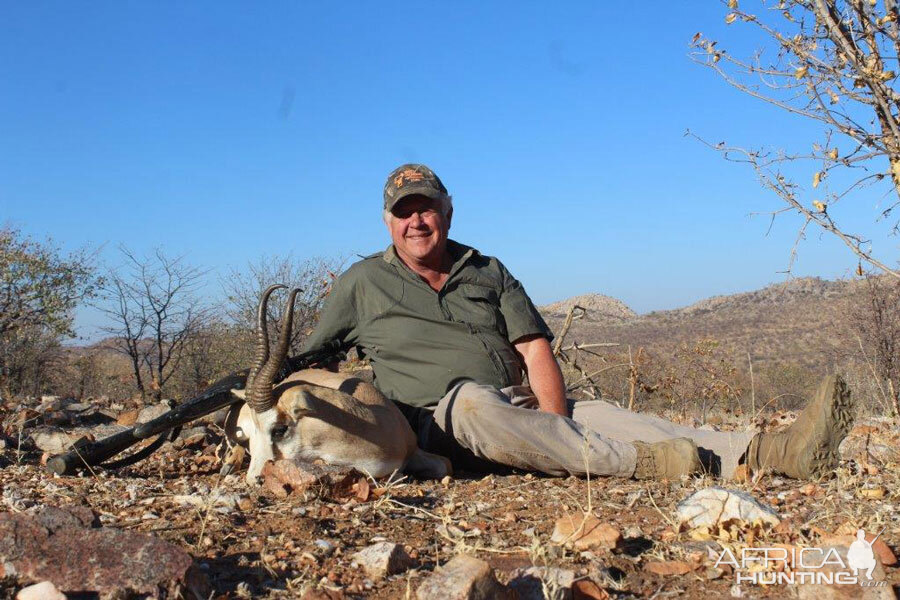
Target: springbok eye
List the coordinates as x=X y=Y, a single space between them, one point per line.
x=278 y=432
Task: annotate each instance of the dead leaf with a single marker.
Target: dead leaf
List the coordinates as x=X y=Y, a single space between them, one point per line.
x=128 y=418
x=810 y=489
x=362 y=489
x=585 y=531
x=701 y=534
x=730 y=18
x=871 y=493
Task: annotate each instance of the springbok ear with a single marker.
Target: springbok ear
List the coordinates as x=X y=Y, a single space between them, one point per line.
x=232 y=431
x=303 y=404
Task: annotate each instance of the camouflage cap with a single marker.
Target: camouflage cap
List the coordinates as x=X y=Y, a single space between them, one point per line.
x=412 y=179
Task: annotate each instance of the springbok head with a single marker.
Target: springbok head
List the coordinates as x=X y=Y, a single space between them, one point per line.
x=318 y=415
x=259 y=424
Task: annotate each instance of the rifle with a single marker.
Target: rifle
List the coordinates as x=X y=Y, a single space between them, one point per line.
x=89 y=454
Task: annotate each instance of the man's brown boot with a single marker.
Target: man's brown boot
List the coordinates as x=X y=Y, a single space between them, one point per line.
x=669 y=459
x=808 y=449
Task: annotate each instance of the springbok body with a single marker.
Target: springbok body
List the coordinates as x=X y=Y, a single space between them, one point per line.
x=319 y=414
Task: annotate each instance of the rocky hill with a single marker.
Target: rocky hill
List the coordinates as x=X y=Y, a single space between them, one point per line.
x=799 y=321
x=598 y=307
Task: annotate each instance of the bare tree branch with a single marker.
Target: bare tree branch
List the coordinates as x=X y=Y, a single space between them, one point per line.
x=829 y=65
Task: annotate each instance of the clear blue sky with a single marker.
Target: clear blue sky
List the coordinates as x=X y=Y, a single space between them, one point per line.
x=227 y=131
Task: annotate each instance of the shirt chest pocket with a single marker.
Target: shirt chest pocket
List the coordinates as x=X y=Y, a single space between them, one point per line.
x=478 y=305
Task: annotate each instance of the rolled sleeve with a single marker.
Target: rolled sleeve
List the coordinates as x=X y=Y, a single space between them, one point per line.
x=521 y=316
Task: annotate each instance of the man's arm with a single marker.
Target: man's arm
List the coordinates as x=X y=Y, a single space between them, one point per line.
x=338 y=318
x=544 y=376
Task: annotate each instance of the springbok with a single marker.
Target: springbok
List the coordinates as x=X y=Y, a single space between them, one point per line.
x=318 y=414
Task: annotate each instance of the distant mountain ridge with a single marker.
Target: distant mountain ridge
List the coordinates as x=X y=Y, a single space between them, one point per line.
x=800 y=320
x=802 y=288
x=601 y=307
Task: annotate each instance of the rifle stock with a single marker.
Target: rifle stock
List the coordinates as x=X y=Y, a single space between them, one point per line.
x=216 y=396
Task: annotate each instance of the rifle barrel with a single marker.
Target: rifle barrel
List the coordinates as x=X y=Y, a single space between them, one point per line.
x=216 y=396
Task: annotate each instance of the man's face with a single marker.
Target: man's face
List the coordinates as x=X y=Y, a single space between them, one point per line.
x=419 y=229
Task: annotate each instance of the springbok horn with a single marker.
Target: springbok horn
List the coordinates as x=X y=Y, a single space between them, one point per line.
x=262 y=350
x=263 y=398
x=287 y=331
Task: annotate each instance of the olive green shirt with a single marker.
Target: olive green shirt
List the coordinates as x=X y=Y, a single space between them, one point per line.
x=421 y=342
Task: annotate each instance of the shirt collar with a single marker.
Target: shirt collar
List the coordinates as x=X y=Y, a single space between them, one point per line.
x=459 y=254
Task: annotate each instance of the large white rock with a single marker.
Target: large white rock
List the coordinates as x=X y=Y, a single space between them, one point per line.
x=44 y=590
x=714 y=505
x=52 y=440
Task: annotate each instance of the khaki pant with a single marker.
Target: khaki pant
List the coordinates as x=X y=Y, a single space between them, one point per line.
x=477 y=426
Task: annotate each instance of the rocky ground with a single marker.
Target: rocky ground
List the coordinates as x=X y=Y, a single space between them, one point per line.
x=171 y=525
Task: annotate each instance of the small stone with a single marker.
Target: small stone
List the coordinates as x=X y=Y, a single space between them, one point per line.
x=669 y=567
x=192 y=432
x=585 y=589
x=633 y=532
x=715 y=505
x=148 y=413
x=324 y=547
x=463 y=578
x=53 y=518
x=44 y=590
x=383 y=559
x=531 y=583
x=585 y=532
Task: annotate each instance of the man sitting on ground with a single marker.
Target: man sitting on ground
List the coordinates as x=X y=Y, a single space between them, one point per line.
x=450 y=333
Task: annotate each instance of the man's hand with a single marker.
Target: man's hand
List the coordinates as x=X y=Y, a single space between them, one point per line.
x=544 y=376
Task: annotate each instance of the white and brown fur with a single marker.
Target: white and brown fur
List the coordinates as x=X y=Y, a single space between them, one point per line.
x=320 y=414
